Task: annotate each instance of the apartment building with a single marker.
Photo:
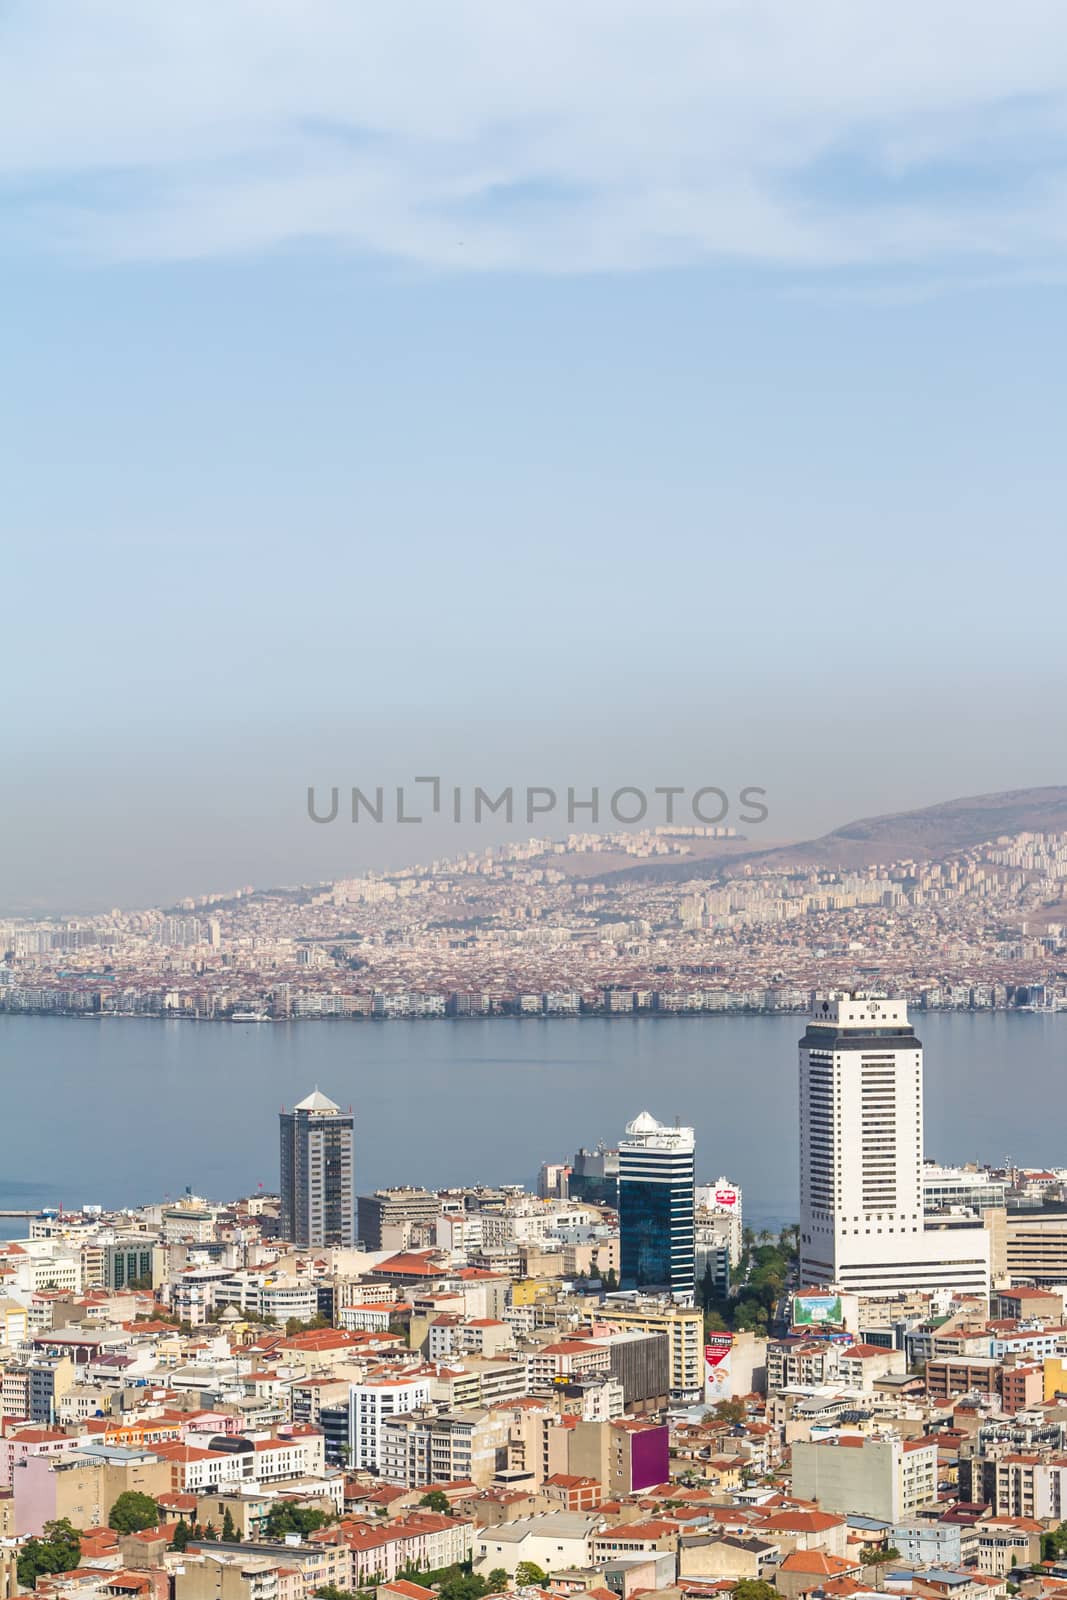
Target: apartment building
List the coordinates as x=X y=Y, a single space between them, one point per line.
x=371 y=1404
x=427 y=1447
x=683 y=1329
x=875 y=1476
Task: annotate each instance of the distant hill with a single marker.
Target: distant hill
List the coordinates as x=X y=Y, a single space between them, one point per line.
x=923 y=835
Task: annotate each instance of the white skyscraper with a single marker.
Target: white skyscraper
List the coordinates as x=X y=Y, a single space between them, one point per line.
x=862 y=1225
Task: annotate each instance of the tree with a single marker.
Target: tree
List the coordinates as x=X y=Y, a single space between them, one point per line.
x=298 y=1325
x=211 y=1533
x=460 y=1585
x=529 y=1575
x=181 y=1536
x=229 y=1532
x=875 y=1555
x=436 y=1500
x=285 y=1517
x=132 y=1512
x=497 y=1580
x=754 y=1589
x=732 y=1411
x=57 y=1550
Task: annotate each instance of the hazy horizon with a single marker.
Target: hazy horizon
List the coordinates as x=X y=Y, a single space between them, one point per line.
x=640 y=396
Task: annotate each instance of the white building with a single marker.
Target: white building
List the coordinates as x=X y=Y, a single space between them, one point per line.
x=720 y=1204
x=370 y=1404
x=552 y=1540
x=968 y=1188
x=862 y=1215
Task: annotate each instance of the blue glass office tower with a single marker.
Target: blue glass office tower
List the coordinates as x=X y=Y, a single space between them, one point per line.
x=656 y=1209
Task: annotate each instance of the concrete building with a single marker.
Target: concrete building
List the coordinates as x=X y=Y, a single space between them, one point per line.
x=863 y=1225
x=683 y=1329
x=428 y=1447
x=398 y=1219
x=82 y=1487
x=317 y=1192
x=370 y=1405
x=720 y=1203
x=624 y=1456
x=885 y=1477
x=594 y=1177
x=554 y=1541
x=129 y=1261
x=1036 y=1247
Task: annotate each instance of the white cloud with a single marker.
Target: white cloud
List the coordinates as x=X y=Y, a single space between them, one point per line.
x=551 y=135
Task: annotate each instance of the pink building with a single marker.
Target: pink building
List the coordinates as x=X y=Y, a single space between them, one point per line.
x=19 y=1447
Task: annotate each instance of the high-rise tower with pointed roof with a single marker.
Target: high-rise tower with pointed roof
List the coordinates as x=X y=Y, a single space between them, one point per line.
x=317 y=1173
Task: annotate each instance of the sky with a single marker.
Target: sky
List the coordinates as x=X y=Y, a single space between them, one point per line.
x=638 y=393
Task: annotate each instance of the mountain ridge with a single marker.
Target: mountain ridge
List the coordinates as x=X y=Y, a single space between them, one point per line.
x=923 y=834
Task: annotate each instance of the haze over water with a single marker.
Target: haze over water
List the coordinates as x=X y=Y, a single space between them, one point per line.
x=123 y=1111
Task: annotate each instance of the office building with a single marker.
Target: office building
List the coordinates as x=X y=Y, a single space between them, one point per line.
x=317 y=1194
x=719 y=1209
x=656 y=1208
x=683 y=1328
x=862 y=1218
x=398 y=1219
x=594 y=1177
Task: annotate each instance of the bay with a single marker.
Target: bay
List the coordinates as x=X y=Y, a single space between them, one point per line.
x=120 y=1111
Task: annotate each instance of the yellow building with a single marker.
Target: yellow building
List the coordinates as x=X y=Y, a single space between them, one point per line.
x=684 y=1328
x=1055 y=1376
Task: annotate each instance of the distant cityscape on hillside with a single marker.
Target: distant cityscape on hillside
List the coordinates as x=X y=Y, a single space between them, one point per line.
x=594 y=924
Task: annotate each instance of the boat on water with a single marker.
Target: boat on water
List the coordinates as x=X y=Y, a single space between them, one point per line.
x=250 y=1016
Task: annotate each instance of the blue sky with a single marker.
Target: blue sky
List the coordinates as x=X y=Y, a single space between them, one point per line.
x=636 y=394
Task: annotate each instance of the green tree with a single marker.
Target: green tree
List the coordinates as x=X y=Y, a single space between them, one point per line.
x=529 y=1575
x=181 y=1536
x=876 y=1555
x=750 y=1317
x=57 y=1550
x=211 y=1533
x=754 y=1589
x=461 y=1585
x=497 y=1580
x=132 y=1512
x=298 y=1325
x=285 y=1517
x=436 y=1500
x=732 y=1411
x=229 y=1532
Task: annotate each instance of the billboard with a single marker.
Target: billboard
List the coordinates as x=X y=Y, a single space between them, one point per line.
x=726 y=1199
x=717 y=1367
x=812 y=1309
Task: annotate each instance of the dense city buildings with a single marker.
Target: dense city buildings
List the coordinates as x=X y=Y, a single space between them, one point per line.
x=657 y=1208
x=317 y=1163
x=633 y=924
x=556 y=1396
